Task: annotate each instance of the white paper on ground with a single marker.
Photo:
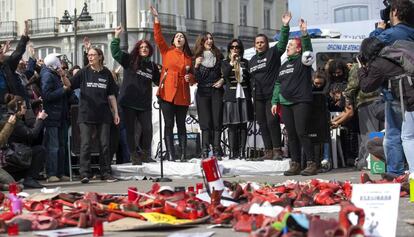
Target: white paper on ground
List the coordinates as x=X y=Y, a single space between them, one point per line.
x=206 y=198
x=380 y=204
x=318 y=209
x=64 y=232
x=266 y=209
x=193 y=234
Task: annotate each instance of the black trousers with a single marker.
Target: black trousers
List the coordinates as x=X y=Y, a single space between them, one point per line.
x=173 y=112
x=210 y=116
x=269 y=124
x=102 y=134
x=237 y=137
x=144 y=119
x=296 y=119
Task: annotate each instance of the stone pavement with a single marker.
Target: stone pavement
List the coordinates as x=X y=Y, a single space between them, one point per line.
x=406 y=209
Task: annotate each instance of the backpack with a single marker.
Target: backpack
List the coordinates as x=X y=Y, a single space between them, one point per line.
x=401 y=53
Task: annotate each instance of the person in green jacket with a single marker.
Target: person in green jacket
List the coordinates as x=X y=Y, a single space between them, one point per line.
x=293 y=90
x=135 y=96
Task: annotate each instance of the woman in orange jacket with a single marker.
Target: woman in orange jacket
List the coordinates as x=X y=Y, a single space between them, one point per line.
x=174 y=88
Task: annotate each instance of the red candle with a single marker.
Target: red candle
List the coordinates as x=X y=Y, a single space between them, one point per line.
x=199 y=187
x=132 y=194
x=13 y=188
x=13 y=230
x=98 y=228
x=190 y=189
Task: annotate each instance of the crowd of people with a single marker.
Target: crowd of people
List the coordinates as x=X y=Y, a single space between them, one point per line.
x=36 y=98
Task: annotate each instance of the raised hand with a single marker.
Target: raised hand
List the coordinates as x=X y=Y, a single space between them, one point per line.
x=286 y=17
x=6 y=47
x=12 y=119
x=87 y=43
x=118 y=31
x=154 y=11
x=26 y=28
x=31 y=51
x=303 y=26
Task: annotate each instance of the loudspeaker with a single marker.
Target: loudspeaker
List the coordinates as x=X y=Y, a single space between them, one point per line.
x=75 y=137
x=318 y=127
x=193 y=145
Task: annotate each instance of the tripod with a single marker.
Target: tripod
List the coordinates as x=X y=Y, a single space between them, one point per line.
x=162 y=178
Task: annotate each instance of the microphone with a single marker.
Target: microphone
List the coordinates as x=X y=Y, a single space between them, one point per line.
x=187 y=69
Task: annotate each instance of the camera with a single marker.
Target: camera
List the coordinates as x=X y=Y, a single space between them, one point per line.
x=385 y=13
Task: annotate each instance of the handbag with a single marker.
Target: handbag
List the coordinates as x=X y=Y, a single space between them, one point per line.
x=18 y=155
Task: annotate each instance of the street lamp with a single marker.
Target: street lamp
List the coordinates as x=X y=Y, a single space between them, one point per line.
x=67 y=20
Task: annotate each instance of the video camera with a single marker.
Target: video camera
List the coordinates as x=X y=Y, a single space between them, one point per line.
x=385 y=13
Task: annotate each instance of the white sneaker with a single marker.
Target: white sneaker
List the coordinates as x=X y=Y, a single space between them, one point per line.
x=53 y=179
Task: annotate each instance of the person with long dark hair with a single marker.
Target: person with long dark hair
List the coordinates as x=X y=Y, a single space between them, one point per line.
x=135 y=96
x=174 y=89
x=263 y=68
x=97 y=110
x=293 y=90
x=238 y=107
x=209 y=96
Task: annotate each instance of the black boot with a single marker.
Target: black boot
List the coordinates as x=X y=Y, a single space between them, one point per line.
x=169 y=144
x=205 y=139
x=183 y=147
x=243 y=140
x=146 y=157
x=217 y=152
x=232 y=142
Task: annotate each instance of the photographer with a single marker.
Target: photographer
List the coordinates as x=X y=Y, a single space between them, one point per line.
x=24 y=135
x=400 y=14
x=376 y=72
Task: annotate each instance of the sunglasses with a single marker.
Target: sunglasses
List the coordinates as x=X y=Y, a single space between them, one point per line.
x=234 y=47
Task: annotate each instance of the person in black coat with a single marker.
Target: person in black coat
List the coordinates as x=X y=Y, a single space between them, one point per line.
x=238 y=107
x=26 y=135
x=209 y=96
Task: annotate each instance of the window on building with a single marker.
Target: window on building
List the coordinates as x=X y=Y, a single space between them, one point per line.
x=243 y=13
x=190 y=9
x=218 y=8
x=46 y=8
x=6 y=10
x=95 y=6
x=43 y=51
x=266 y=19
x=351 y=13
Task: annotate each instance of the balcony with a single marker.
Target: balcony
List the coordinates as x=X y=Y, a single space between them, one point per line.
x=195 y=26
x=167 y=21
x=8 y=29
x=247 y=32
x=48 y=25
x=101 y=20
x=269 y=33
x=223 y=29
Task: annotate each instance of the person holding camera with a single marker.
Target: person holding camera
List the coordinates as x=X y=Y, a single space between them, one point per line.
x=376 y=72
x=400 y=14
x=25 y=135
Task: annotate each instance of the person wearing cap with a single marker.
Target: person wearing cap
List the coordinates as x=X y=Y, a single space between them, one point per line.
x=55 y=103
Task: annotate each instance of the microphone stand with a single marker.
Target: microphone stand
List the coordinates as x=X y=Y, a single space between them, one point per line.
x=254 y=119
x=162 y=178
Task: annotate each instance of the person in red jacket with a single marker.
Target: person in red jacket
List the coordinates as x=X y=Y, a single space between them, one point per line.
x=174 y=88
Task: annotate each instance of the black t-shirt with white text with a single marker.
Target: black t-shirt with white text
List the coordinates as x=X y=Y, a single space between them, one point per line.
x=296 y=81
x=95 y=87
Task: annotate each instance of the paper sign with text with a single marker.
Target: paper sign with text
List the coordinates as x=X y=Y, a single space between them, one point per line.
x=380 y=204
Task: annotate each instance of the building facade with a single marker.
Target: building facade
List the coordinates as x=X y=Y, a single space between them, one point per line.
x=317 y=12
x=226 y=19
